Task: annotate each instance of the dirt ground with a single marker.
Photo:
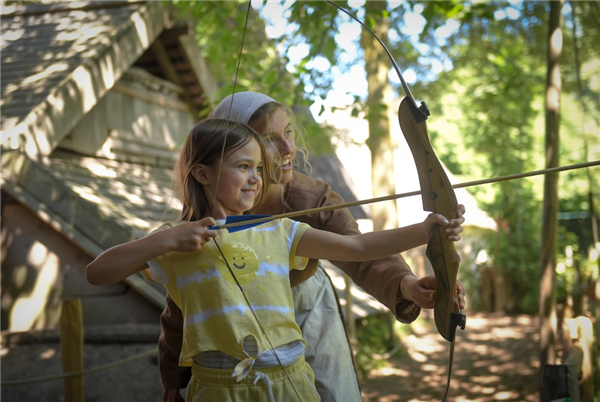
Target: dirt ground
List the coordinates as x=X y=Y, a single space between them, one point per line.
x=495 y=359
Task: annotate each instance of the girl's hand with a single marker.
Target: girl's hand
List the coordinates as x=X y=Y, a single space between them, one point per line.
x=453 y=227
x=192 y=236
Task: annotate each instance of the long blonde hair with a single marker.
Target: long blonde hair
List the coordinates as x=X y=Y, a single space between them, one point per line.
x=262 y=118
x=205 y=145
x=257 y=110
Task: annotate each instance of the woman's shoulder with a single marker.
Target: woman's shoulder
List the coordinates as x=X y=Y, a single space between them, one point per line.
x=307 y=192
x=304 y=183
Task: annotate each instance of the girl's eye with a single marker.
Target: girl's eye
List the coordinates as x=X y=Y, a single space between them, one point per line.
x=288 y=134
x=268 y=140
x=259 y=170
x=245 y=167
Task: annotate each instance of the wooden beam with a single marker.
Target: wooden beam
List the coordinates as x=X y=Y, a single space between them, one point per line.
x=171 y=73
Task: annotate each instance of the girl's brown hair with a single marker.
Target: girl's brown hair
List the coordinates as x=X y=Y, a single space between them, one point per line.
x=205 y=145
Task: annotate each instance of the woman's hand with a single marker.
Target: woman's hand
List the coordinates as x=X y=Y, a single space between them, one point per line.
x=191 y=236
x=422 y=291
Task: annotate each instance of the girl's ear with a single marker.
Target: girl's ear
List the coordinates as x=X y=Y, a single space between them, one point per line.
x=200 y=173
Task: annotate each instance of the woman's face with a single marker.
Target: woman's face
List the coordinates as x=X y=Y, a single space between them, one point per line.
x=279 y=141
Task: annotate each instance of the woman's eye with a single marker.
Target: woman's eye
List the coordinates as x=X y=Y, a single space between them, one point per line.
x=287 y=134
x=268 y=141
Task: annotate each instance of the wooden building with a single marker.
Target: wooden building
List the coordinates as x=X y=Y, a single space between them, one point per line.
x=96 y=98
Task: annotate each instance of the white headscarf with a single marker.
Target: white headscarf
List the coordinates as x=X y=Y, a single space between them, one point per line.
x=245 y=104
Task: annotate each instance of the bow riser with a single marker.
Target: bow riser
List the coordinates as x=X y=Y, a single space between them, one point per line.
x=437 y=196
x=445 y=262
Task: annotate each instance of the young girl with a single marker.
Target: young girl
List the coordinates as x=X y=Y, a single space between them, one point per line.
x=233 y=287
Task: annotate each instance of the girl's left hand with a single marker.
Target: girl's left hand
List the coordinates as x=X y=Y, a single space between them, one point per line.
x=453 y=227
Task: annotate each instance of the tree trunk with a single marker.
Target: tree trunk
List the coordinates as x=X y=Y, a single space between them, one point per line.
x=550 y=223
x=380 y=140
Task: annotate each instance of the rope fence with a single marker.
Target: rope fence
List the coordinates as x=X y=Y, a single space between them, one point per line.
x=80 y=373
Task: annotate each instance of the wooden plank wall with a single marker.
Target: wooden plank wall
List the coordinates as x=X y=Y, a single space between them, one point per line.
x=40 y=268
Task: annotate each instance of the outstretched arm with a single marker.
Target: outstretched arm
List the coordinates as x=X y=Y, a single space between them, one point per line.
x=119 y=262
x=370 y=246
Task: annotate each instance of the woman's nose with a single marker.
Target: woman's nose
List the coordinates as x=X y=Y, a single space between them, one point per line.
x=285 y=146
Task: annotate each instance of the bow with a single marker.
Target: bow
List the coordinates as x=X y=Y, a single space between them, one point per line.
x=438 y=196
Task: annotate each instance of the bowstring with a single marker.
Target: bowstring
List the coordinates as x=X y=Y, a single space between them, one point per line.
x=264 y=332
x=235 y=79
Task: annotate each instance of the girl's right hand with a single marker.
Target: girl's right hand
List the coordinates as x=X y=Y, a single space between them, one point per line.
x=191 y=236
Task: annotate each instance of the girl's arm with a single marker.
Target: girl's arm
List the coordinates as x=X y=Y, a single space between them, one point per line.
x=117 y=263
x=370 y=246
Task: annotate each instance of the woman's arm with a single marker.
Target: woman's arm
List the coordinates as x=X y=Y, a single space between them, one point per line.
x=119 y=262
x=371 y=246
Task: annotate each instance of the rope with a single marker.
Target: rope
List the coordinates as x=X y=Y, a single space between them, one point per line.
x=80 y=373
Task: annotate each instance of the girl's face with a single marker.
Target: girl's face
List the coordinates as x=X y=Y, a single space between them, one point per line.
x=240 y=181
x=279 y=141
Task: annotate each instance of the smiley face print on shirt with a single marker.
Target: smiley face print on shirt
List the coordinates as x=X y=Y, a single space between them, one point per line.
x=242 y=260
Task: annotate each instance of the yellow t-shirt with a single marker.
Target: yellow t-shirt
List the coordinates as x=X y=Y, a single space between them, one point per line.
x=216 y=314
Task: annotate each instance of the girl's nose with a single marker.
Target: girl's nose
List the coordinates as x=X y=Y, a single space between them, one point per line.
x=255 y=176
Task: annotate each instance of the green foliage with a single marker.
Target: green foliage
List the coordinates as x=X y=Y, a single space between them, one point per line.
x=220 y=28
x=373 y=338
x=496 y=124
x=499 y=81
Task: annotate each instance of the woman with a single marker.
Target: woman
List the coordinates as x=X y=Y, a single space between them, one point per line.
x=389 y=280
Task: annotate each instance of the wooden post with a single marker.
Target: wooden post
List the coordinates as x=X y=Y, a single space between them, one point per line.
x=577 y=346
x=585 y=342
x=71 y=342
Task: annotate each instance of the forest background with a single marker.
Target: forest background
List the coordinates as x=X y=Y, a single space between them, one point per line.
x=483 y=69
